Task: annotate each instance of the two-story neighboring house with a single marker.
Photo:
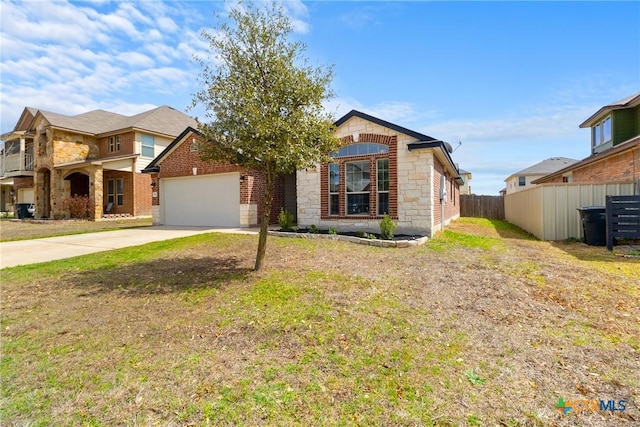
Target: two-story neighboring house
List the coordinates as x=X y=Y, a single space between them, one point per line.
x=615 y=147
x=465 y=188
x=526 y=178
x=49 y=157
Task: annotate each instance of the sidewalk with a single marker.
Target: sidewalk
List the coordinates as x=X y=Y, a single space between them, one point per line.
x=51 y=248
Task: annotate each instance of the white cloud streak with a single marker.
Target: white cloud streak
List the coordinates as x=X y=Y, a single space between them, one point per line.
x=71 y=58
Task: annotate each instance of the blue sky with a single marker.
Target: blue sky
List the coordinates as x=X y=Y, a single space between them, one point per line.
x=511 y=80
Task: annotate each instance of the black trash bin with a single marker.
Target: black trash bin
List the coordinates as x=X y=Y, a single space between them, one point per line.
x=594 y=225
x=23 y=210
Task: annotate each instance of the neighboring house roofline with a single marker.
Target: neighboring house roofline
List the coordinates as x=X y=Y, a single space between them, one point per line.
x=384 y=123
x=164 y=121
x=154 y=166
x=629 y=144
x=544 y=167
x=628 y=102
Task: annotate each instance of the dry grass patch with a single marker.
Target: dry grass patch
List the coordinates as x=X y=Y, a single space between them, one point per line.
x=477 y=327
x=31 y=229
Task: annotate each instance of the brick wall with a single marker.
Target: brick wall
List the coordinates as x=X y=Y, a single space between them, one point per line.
x=142 y=194
x=452 y=205
x=181 y=161
x=127 y=145
x=623 y=167
x=23 y=182
x=128 y=196
x=389 y=140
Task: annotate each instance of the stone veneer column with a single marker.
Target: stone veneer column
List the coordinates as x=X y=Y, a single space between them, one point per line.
x=96 y=189
x=308 y=196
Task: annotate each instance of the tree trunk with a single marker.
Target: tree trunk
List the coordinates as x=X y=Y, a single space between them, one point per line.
x=266 y=214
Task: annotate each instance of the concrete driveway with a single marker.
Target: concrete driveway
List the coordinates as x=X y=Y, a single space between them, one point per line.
x=51 y=248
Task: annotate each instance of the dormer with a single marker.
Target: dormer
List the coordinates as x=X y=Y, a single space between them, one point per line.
x=614 y=124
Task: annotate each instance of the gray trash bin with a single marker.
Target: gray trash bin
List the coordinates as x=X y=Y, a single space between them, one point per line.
x=594 y=225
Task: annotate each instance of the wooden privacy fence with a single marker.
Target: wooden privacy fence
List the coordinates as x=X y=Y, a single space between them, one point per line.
x=623 y=218
x=491 y=207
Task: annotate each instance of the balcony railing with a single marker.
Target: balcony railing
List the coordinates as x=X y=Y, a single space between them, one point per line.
x=22 y=162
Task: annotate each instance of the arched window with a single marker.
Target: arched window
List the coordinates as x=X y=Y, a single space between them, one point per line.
x=361 y=149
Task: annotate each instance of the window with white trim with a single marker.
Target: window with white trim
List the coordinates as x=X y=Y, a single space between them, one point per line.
x=120 y=191
x=111 y=186
x=601 y=131
x=114 y=143
x=115 y=191
x=148 y=146
x=522 y=181
x=358 y=187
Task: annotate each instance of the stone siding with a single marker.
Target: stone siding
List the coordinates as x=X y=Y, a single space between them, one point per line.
x=411 y=175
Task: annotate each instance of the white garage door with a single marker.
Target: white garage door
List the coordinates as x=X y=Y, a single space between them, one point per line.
x=207 y=200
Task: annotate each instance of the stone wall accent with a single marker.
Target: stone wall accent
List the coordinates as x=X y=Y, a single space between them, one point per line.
x=415 y=178
x=72 y=147
x=308 y=196
x=410 y=172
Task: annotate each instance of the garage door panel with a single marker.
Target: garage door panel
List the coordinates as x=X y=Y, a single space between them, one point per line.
x=207 y=200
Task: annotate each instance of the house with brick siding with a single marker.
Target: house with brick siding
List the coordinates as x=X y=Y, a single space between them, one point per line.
x=615 y=148
x=187 y=191
x=49 y=157
x=381 y=168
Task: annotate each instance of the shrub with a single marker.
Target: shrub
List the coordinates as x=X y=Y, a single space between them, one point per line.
x=386 y=228
x=285 y=219
x=361 y=233
x=313 y=229
x=79 y=207
x=332 y=231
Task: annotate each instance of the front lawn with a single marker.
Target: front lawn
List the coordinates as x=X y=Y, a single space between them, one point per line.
x=33 y=229
x=482 y=325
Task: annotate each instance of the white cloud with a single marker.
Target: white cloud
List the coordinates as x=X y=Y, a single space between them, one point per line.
x=166 y=24
x=71 y=58
x=135 y=60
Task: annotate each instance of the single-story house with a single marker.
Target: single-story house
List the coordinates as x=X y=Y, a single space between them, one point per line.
x=381 y=168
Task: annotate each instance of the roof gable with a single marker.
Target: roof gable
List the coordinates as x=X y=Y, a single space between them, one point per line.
x=154 y=166
x=384 y=123
x=628 y=102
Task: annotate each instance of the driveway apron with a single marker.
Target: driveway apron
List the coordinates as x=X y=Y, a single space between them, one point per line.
x=51 y=248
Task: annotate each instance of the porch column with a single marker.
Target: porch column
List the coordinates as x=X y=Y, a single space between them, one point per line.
x=96 y=189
